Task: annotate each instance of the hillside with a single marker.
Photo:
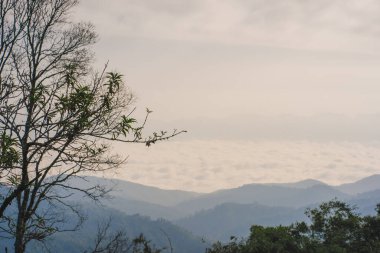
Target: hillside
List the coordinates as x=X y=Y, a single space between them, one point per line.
x=270 y=195
x=214 y=216
x=230 y=219
x=227 y=219
x=131 y=198
x=157 y=231
x=132 y=191
x=367 y=184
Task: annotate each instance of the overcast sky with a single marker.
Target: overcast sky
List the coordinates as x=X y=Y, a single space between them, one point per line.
x=214 y=58
x=256 y=69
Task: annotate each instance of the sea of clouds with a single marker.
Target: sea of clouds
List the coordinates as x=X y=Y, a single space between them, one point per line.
x=208 y=165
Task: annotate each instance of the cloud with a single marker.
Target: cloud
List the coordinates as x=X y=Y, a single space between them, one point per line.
x=324 y=24
x=215 y=164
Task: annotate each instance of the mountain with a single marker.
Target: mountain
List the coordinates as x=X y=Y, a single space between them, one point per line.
x=138 y=192
x=267 y=205
x=269 y=195
x=366 y=202
x=131 y=207
x=159 y=232
x=367 y=184
x=231 y=219
x=222 y=221
x=215 y=216
x=132 y=198
x=302 y=184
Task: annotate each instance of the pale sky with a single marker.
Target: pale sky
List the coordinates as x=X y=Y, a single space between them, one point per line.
x=262 y=70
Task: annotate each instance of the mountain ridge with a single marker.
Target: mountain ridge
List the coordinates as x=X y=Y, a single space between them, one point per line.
x=304 y=183
x=365 y=184
x=133 y=198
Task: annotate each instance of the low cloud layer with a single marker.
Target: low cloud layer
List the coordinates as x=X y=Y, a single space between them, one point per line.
x=210 y=165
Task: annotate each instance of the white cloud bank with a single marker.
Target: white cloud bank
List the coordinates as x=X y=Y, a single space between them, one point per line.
x=210 y=165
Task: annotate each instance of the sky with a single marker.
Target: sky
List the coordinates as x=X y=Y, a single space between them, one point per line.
x=302 y=74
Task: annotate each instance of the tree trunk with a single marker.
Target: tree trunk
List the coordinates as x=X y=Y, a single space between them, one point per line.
x=19 y=244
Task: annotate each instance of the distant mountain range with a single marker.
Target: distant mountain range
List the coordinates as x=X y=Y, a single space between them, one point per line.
x=190 y=216
x=231 y=219
x=223 y=213
x=270 y=195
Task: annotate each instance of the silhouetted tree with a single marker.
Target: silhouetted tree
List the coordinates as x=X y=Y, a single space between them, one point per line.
x=118 y=242
x=57 y=117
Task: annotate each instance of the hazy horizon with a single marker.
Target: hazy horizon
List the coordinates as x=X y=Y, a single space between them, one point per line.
x=246 y=78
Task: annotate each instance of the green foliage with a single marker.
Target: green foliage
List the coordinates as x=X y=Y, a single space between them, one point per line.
x=114 y=82
x=272 y=239
x=8 y=152
x=334 y=224
x=233 y=247
x=126 y=125
x=335 y=228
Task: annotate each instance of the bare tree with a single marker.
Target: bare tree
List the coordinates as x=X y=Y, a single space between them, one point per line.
x=118 y=242
x=12 y=22
x=57 y=117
